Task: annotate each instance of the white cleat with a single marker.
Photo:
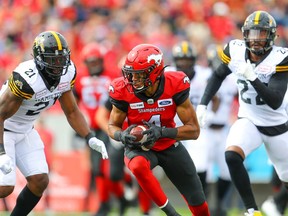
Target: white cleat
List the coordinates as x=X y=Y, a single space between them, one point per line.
x=252 y=212
x=269 y=208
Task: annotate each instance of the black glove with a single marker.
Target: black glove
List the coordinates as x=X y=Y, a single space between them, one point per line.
x=126 y=138
x=153 y=134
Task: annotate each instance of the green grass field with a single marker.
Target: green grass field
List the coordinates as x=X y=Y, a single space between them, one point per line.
x=130 y=212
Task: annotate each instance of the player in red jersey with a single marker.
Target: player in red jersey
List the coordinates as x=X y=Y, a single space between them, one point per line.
x=145 y=94
x=91 y=91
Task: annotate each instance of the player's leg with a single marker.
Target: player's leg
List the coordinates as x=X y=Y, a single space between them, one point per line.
x=31 y=161
x=180 y=169
x=141 y=164
x=116 y=173
x=198 y=151
x=103 y=183
x=243 y=138
x=223 y=183
x=276 y=147
x=7 y=182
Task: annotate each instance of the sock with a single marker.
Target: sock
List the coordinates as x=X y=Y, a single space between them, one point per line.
x=169 y=209
x=222 y=189
x=240 y=179
x=201 y=210
x=202 y=176
x=25 y=202
x=103 y=188
x=145 y=202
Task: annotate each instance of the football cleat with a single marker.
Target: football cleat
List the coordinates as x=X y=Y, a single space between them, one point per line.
x=252 y=212
x=269 y=208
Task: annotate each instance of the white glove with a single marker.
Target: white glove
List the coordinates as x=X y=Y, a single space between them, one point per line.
x=6 y=164
x=98 y=145
x=247 y=71
x=201 y=112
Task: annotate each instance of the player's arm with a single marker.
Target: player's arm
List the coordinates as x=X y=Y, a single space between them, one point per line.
x=190 y=128
x=73 y=114
x=273 y=93
x=217 y=77
x=78 y=122
x=102 y=116
x=9 y=104
x=115 y=123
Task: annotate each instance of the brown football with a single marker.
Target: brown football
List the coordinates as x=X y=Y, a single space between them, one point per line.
x=137 y=132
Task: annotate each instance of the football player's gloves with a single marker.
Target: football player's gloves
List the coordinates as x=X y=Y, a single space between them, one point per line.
x=98 y=145
x=6 y=164
x=155 y=132
x=201 y=112
x=246 y=70
x=126 y=138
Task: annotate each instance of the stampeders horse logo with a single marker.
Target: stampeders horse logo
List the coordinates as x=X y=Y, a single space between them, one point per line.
x=157 y=58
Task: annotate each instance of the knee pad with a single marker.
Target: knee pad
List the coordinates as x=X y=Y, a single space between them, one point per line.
x=233 y=159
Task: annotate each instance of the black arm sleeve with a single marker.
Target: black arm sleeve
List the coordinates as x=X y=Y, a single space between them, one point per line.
x=214 y=83
x=272 y=94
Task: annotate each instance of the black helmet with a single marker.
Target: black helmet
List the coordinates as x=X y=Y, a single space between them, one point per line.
x=184 y=56
x=256 y=23
x=51 y=54
x=213 y=52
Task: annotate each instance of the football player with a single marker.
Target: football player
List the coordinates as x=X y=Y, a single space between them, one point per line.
x=209 y=147
x=147 y=95
x=34 y=86
x=261 y=69
x=91 y=91
x=184 y=57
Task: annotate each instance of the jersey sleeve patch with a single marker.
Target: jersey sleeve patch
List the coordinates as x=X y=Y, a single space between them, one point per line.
x=225 y=55
x=72 y=83
x=283 y=66
x=20 y=87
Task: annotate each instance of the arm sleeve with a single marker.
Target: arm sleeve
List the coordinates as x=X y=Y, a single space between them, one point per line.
x=273 y=94
x=214 y=83
x=20 y=87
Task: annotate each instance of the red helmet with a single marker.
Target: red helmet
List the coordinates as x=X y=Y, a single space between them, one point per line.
x=92 y=56
x=146 y=59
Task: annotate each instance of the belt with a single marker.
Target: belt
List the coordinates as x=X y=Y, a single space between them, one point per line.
x=216 y=126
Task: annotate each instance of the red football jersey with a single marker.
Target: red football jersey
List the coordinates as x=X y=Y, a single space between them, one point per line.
x=91 y=91
x=160 y=109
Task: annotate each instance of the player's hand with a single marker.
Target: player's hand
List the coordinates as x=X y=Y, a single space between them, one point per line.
x=247 y=71
x=201 y=112
x=126 y=138
x=153 y=133
x=98 y=145
x=6 y=164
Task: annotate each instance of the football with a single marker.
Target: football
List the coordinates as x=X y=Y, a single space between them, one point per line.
x=137 y=132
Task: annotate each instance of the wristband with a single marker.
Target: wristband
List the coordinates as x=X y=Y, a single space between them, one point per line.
x=89 y=136
x=169 y=133
x=117 y=135
x=2 y=150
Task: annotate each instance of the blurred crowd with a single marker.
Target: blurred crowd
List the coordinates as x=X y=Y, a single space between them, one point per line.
x=118 y=25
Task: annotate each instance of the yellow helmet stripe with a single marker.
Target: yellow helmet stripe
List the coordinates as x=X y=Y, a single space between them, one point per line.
x=257 y=17
x=185 y=46
x=59 y=44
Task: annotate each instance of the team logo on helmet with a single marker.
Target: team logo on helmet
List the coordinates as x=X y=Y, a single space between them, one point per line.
x=111 y=89
x=39 y=42
x=156 y=57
